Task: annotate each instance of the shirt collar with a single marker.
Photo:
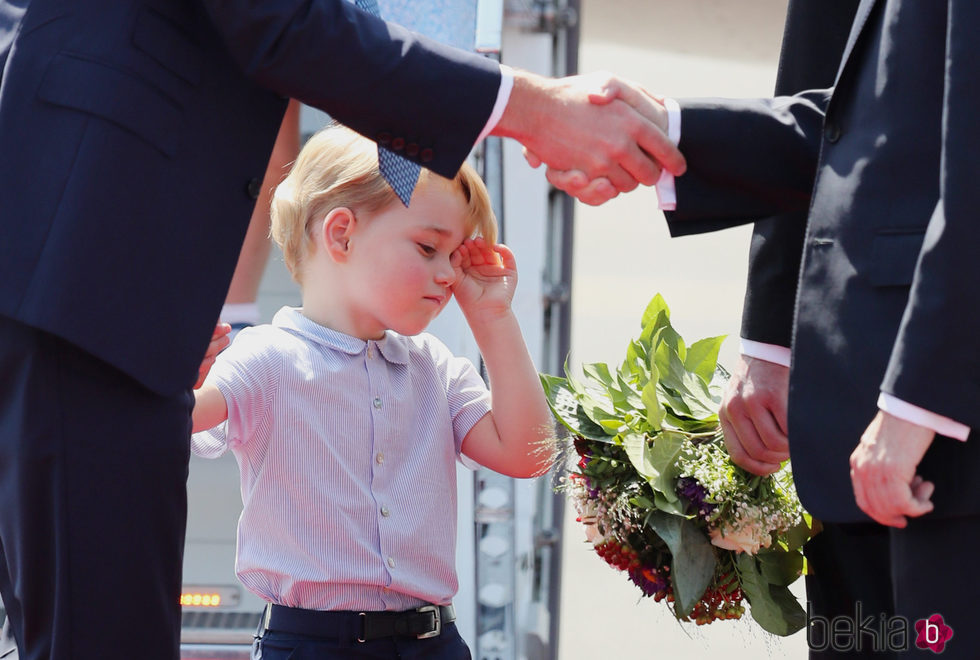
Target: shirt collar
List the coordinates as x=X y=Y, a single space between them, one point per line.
x=392 y=346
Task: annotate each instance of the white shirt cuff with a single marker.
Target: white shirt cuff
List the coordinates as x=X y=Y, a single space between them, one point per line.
x=666 y=191
x=922 y=417
x=503 y=95
x=769 y=352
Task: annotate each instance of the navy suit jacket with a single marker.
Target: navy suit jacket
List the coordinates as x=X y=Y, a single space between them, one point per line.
x=885 y=162
x=813 y=43
x=134 y=135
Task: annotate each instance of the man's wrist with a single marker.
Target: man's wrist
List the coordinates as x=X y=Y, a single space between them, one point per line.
x=518 y=119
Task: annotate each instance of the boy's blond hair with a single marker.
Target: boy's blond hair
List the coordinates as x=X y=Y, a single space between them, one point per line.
x=338 y=167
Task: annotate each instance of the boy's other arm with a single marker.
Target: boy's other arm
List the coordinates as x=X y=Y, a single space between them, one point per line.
x=210 y=408
x=513 y=438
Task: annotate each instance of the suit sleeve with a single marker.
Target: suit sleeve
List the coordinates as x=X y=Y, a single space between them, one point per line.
x=813 y=43
x=747 y=159
x=376 y=77
x=935 y=363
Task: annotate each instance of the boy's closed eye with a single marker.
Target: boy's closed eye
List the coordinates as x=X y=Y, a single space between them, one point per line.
x=427 y=250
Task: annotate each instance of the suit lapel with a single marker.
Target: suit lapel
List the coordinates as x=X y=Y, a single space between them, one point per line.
x=860 y=22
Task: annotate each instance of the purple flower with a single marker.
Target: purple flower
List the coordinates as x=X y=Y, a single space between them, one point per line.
x=696 y=494
x=649 y=580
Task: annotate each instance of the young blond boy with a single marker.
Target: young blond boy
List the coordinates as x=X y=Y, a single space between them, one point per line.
x=347 y=423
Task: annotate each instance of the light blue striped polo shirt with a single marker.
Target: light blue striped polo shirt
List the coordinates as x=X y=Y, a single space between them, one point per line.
x=347 y=450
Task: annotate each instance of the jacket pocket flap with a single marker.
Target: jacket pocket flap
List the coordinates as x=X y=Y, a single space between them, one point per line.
x=114 y=95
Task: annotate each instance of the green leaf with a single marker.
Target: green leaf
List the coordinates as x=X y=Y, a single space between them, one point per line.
x=613 y=426
x=655 y=410
x=599 y=371
x=780 y=568
x=675 y=507
x=774 y=607
x=633 y=397
x=661 y=332
x=596 y=404
x=655 y=308
x=675 y=404
x=693 y=558
x=565 y=406
x=702 y=357
x=657 y=460
x=642 y=502
x=797 y=535
x=636 y=358
x=689 y=387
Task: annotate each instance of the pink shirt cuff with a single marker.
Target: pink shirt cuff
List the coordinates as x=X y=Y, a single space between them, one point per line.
x=666 y=191
x=503 y=95
x=768 y=352
x=922 y=417
x=887 y=402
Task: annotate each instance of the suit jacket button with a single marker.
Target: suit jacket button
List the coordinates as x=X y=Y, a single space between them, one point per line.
x=412 y=149
x=253 y=187
x=832 y=132
x=397 y=144
x=426 y=155
x=384 y=138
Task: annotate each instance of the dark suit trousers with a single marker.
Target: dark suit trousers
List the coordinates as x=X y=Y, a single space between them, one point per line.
x=93 y=504
x=912 y=573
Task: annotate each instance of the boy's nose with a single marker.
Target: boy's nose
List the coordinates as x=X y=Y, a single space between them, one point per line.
x=446 y=277
x=445 y=274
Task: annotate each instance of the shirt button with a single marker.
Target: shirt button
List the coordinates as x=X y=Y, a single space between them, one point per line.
x=385 y=512
x=377 y=402
x=391 y=562
x=380 y=458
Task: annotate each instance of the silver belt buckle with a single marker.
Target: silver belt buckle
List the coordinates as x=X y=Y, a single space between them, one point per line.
x=437 y=613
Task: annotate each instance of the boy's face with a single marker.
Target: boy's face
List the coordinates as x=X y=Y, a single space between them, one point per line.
x=400 y=260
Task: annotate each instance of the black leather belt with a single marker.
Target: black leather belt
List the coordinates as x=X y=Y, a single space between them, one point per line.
x=421 y=623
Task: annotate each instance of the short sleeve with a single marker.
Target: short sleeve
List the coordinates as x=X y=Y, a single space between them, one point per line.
x=466 y=392
x=246 y=374
x=210 y=443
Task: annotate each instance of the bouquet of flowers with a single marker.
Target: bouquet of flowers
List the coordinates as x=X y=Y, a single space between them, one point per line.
x=658 y=493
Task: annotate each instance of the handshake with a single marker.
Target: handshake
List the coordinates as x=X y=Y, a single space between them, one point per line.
x=598 y=135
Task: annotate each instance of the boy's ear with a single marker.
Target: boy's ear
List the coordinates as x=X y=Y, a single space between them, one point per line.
x=336 y=232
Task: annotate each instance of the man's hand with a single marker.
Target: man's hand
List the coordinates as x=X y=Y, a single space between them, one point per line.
x=219 y=342
x=753 y=415
x=600 y=190
x=597 y=125
x=886 y=486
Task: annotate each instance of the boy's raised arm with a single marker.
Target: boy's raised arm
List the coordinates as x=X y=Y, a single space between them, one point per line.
x=513 y=438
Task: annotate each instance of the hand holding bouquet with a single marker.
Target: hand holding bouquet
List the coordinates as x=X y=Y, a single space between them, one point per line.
x=658 y=493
